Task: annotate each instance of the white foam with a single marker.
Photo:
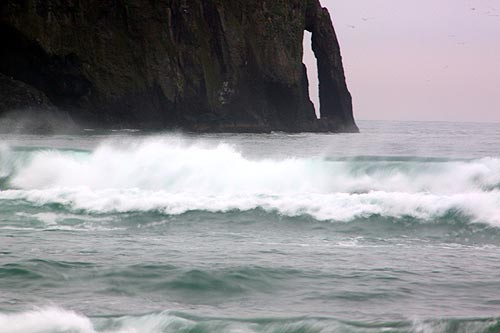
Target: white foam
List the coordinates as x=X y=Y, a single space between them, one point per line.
x=47 y=320
x=153 y=323
x=481 y=207
x=173 y=178
x=56 y=320
x=5 y=160
x=157 y=165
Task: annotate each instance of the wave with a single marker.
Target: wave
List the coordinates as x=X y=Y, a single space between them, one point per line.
x=48 y=320
x=150 y=278
x=174 y=178
x=56 y=320
x=155 y=164
x=478 y=207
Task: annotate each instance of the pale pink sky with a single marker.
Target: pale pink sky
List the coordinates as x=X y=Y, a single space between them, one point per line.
x=418 y=59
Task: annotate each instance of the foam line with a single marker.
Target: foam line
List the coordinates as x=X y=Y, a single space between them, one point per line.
x=154 y=175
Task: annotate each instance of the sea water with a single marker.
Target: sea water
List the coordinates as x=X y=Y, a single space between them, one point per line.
x=396 y=229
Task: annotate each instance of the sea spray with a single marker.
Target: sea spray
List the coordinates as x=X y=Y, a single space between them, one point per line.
x=174 y=178
x=130 y=233
x=45 y=320
x=6 y=161
x=158 y=165
x=56 y=320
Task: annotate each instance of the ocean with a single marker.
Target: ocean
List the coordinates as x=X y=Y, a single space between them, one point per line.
x=395 y=229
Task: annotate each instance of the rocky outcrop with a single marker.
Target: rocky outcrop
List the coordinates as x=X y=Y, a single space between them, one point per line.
x=28 y=109
x=16 y=95
x=335 y=99
x=201 y=65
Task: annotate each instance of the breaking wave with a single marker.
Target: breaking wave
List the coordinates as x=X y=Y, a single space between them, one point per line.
x=174 y=178
x=52 y=320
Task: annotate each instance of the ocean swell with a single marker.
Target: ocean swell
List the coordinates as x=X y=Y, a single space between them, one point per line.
x=174 y=178
x=52 y=320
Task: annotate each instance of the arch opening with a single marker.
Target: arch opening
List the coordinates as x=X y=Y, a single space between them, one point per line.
x=310 y=61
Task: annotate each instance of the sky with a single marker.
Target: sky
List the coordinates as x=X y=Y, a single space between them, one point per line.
x=436 y=60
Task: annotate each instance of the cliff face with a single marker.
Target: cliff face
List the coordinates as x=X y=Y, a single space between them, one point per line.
x=202 y=65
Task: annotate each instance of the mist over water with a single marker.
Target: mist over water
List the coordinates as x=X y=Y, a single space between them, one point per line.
x=395 y=229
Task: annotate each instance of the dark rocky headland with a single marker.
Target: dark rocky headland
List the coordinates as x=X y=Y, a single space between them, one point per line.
x=196 y=65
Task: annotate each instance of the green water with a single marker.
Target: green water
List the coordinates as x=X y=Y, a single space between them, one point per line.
x=396 y=229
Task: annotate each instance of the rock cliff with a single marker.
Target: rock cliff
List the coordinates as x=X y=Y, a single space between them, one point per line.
x=200 y=65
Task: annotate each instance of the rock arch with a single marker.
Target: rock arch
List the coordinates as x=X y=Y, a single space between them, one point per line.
x=334 y=97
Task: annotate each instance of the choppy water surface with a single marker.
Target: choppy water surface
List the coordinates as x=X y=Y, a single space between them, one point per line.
x=396 y=229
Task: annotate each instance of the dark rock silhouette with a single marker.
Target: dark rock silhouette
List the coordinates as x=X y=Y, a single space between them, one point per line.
x=199 y=65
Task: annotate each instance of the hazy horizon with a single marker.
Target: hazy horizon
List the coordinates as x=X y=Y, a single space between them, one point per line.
x=425 y=61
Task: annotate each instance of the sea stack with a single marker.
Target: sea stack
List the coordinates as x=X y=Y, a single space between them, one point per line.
x=195 y=65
